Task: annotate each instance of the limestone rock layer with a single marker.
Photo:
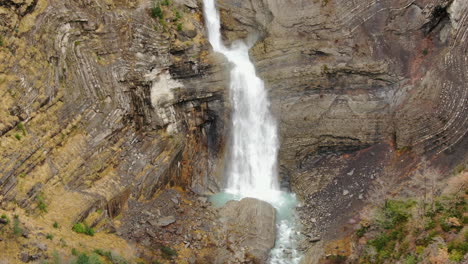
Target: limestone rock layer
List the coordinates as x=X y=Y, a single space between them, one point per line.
x=346 y=75
x=102 y=102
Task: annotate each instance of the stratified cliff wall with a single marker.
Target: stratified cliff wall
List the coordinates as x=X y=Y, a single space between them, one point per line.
x=347 y=75
x=360 y=88
x=101 y=102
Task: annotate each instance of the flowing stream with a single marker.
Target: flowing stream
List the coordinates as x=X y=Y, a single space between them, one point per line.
x=253 y=152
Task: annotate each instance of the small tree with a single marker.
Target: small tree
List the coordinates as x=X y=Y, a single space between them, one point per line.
x=382 y=186
x=426 y=182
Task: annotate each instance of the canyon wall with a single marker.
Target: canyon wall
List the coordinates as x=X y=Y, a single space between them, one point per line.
x=346 y=75
x=102 y=103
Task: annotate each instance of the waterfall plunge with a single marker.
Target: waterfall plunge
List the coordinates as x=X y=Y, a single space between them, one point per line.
x=252 y=165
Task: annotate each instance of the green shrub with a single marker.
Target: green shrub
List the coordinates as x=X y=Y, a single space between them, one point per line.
x=395 y=212
x=168 y=252
x=16 y=226
x=410 y=260
x=49 y=236
x=362 y=231
x=444 y=225
x=179 y=27
x=162 y=22
x=439 y=207
x=1 y=41
x=456 y=256
x=22 y=128
x=430 y=224
x=4 y=216
x=83 y=258
x=55 y=225
x=83 y=228
x=425 y=241
x=380 y=242
x=166 y=2
x=41 y=205
x=384 y=254
x=156 y=12
x=425 y=52
x=17 y=136
x=461 y=247
x=106 y=254
x=74 y=252
x=178 y=15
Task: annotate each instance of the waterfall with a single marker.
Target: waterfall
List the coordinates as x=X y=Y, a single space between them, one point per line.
x=252 y=165
x=254 y=136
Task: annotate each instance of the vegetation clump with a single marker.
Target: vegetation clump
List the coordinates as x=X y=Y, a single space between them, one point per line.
x=168 y=252
x=4 y=216
x=21 y=128
x=399 y=234
x=17 y=136
x=83 y=228
x=17 y=230
x=156 y=12
x=84 y=258
x=41 y=205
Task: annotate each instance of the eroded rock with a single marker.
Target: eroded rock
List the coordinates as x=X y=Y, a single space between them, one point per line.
x=250 y=225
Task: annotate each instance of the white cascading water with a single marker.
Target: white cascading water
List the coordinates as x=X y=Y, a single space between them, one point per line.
x=252 y=165
x=254 y=135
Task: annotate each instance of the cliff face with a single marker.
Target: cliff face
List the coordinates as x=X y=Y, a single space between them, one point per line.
x=346 y=76
x=100 y=103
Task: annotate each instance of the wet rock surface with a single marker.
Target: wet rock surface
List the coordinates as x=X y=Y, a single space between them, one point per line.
x=251 y=228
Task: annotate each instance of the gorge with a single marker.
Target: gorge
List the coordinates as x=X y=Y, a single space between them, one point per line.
x=119 y=123
x=252 y=160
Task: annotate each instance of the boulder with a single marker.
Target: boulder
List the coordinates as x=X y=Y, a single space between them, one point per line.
x=250 y=226
x=165 y=221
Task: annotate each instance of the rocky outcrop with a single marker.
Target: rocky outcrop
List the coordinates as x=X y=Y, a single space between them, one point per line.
x=344 y=76
x=250 y=229
x=358 y=86
x=101 y=103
